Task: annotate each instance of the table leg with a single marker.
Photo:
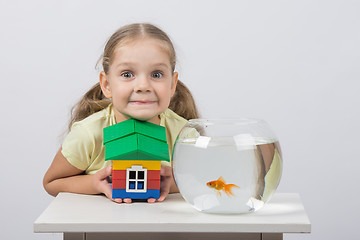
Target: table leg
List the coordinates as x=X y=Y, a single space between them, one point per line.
x=271 y=236
x=74 y=236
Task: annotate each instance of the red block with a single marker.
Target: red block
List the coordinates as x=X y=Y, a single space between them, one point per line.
x=119 y=174
x=153 y=174
x=153 y=184
x=119 y=184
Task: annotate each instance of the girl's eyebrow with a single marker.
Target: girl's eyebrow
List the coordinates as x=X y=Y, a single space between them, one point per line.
x=161 y=65
x=124 y=64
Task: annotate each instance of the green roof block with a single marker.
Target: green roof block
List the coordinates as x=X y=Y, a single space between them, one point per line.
x=118 y=130
x=131 y=126
x=157 y=149
x=135 y=140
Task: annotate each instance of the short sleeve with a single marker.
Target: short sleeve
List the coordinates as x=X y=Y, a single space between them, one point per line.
x=78 y=146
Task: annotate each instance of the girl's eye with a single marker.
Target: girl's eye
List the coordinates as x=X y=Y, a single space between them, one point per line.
x=157 y=75
x=127 y=75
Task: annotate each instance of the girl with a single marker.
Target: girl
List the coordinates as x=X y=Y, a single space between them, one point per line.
x=138 y=81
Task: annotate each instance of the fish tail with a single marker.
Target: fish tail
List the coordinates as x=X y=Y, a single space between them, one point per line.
x=228 y=188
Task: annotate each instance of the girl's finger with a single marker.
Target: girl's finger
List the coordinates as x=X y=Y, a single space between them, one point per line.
x=117 y=200
x=162 y=197
x=108 y=194
x=165 y=188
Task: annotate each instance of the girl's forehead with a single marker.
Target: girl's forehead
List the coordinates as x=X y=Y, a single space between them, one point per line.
x=142 y=49
x=143 y=42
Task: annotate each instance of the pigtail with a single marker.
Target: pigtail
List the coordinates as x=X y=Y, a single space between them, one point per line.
x=92 y=101
x=182 y=103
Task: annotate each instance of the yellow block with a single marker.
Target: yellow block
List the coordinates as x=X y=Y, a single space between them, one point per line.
x=125 y=164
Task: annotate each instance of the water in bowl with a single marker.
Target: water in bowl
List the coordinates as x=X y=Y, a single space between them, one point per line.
x=253 y=167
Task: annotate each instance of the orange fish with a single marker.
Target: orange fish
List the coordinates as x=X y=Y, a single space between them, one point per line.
x=220 y=184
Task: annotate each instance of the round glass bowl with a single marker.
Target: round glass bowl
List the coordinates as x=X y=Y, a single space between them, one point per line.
x=227 y=166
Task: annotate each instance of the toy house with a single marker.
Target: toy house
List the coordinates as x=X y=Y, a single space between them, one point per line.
x=136 y=149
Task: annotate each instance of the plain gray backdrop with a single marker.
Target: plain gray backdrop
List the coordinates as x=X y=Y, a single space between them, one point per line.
x=295 y=64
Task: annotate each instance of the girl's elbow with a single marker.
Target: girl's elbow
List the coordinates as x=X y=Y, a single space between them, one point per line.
x=48 y=186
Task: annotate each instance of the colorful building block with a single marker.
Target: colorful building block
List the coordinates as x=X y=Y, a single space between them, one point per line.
x=125 y=164
x=136 y=150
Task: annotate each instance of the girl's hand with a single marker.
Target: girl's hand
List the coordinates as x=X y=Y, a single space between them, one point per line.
x=166 y=178
x=101 y=184
x=165 y=183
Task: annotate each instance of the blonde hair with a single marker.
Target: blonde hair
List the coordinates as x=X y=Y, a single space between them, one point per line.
x=94 y=100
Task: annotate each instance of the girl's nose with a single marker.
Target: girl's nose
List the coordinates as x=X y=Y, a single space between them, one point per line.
x=142 y=84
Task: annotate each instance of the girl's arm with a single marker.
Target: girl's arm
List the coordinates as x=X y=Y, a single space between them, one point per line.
x=63 y=177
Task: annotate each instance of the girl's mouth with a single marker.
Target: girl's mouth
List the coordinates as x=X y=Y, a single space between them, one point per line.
x=142 y=102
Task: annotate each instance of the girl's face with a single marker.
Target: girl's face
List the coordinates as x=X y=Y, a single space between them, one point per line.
x=140 y=80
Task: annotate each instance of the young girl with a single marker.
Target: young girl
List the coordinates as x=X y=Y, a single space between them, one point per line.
x=138 y=81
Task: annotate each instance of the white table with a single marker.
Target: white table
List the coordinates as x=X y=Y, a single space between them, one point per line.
x=96 y=217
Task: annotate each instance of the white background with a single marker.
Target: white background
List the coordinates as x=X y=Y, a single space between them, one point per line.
x=295 y=64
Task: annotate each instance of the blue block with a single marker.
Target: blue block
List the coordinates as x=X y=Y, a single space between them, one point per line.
x=121 y=193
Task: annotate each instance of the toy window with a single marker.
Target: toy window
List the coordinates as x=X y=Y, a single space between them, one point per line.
x=132 y=174
x=136 y=179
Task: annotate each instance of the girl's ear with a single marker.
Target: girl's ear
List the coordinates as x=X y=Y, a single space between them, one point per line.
x=105 y=85
x=174 y=83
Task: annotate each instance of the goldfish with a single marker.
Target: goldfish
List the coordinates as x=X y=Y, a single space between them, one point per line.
x=220 y=184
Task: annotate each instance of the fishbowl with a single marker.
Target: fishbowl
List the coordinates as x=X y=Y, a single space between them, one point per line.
x=227 y=166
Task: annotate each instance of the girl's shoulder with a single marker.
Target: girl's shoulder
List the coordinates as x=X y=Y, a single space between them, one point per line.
x=170 y=115
x=97 y=121
x=172 y=121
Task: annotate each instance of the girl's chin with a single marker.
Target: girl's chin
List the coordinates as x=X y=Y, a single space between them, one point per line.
x=154 y=118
